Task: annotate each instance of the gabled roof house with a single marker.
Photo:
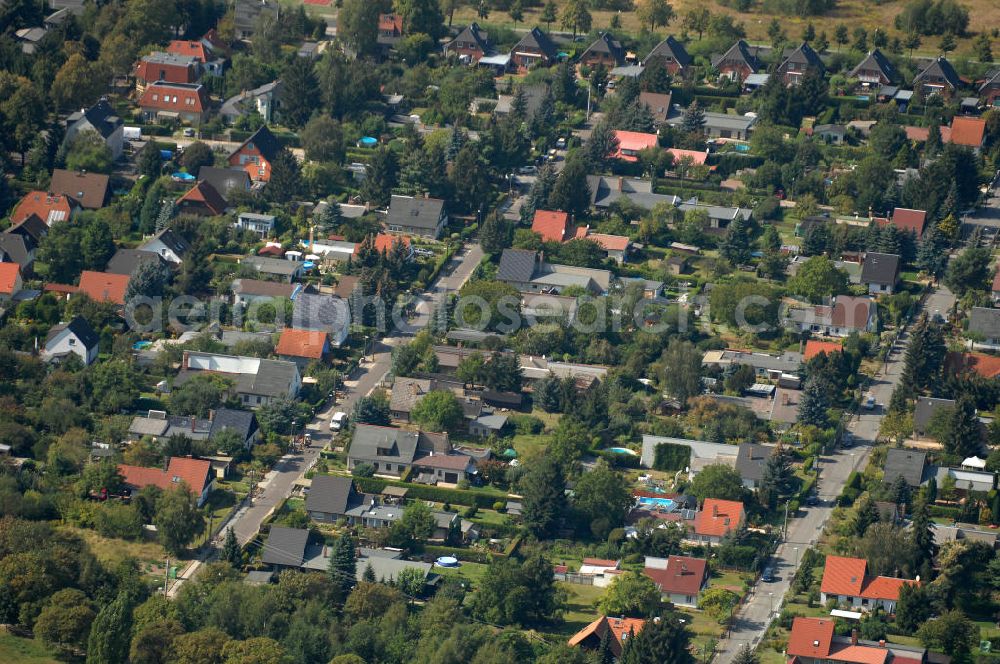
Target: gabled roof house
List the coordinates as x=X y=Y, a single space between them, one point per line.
x=669 y=53
x=846 y=580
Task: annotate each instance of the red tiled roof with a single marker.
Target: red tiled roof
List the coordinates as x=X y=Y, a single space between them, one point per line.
x=884 y=587
x=172 y=72
x=967 y=131
x=718 y=517
x=271 y=250
x=633 y=141
x=390 y=23
x=50 y=208
x=60 y=288
x=683 y=576
x=444 y=461
x=610 y=242
x=384 y=241
x=815 y=347
x=859 y=654
x=843 y=576
x=194 y=472
x=301 y=343
x=620 y=629
x=987 y=366
x=918 y=134
x=178 y=98
x=205 y=195
x=906 y=219
x=8 y=277
x=104 y=287
x=810 y=637
x=996 y=282
x=600 y=562
x=698 y=157
x=851 y=312
x=188 y=47
x=552 y=226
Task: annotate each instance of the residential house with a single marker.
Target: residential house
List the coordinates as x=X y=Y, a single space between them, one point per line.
x=128 y=261
x=880 y=273
x=984 y=323
x=201 y=50
x=616 y=247
x=259 y=224
x=100 y=118
x=751 y=460
x=719 y=216
x=166 y=68
x=784 y=410
x=472 y=43
x=535 y=48
x=168 y=245
x=329 y=498
x=989 y=89
x=534 y=96
x=29 y=38
x=965 y=131
x=798 y=62
x=265 y=100
x=257 y=382
x=50 y=208
x=987 y=366
x=909 y=221
x=406 y=392
x=959 y=531
x=186 y=102
x=19 y=243
x=76 y=337
x=964 y=480
x=621 y=629
x=552 y=226
x=728 y=125
x=716 y=519
x=631 y=143
x=195 y=473
x=847 y=314
x=226 y=181
x=938 y=77
x=831 y=134
x=488 y=423
x=658 y=105
x=874 y=71
x=202 y=200
x=600 y=571
x=924 y=412
x=242 y=422
x=390 y=31
x=423 y=217
x=302 y=346
x=256 y=154
x=247 y=15
x=651 y=289
x=846 y=580
x=680 y=579
x=702 y=453
x=906 y=463
x=104 y=286
x=813 y=641
x=771 y=367
x=671 y=54
x=606 y=51
x=159 y=426
x=739 y=62
x=285 y=547
x=11 y=281
x=605 y=190
x=529 y=273
x=322 y=312
x=279 y=268
x=386 y=568
x=392 y=451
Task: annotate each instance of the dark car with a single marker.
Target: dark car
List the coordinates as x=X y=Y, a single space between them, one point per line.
x=767 y=576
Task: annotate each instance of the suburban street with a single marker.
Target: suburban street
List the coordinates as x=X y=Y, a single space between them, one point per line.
x=279 y=482
x=765 y=601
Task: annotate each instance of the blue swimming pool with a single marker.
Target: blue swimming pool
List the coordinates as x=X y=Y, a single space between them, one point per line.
x=622 y=450
x=662 y=503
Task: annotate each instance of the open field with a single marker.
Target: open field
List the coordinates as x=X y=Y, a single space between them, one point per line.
x=18 y=650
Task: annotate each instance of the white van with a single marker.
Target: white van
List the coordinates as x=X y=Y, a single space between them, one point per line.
x=132 y=133
x=338 y=421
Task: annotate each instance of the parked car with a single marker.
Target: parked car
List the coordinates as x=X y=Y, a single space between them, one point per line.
x=338 y=421
x=527 y=170
x=767 y=576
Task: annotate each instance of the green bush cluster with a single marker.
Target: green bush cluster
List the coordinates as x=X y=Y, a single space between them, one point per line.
x=433 y=493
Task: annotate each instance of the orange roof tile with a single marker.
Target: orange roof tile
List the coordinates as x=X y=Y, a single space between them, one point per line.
x=104 y=287
x=968 y=131
x=600 y=562
x=987 y=366
x=918 y=134
x=188 y=47
x=859 y=654
x=620 y=629
x=194 y=472
x=551 y=225
x=301 y=343
x=9 y=272
x=718 y=517
x=810 y=637
x=815 y=347
x=610 y=242
x=698 y=157
x=844 y=576
x=885 y=587
x=633 y=142
x=50 y=208
x=996 y=282
x=384 y=241
x=906 y=219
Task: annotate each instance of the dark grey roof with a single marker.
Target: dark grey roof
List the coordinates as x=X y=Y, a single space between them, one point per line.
x=876 y=60
x=32 y=227
x=880 y=268
x=247 y=12
x=322 y=313
x=908 y=463
x=225 y=180
x=805 y=55
x=241 y=421
x=173 y=241
x=605 y=43
x=473 y=34
x=412 y=211
x=537 y=41
x=985 y=321
x=285 y=546
x=992 y=79
x=669 y=47
x=605 y=190
x=80 y=328
x=368 y=439
x=101 y=116
x=269 y=265
x=751 y=459
x=329 y=494
x=16 y=248
x=939 y=68
x=264 y=141
x=517 y=265
x=925 y=409
x=740 y=52
x=274 y=378
x=127 y=261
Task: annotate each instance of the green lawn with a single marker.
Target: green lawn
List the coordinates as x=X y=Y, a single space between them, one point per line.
x=580 y=610
x=471 y=573
x=530 y=445
x=18 y=650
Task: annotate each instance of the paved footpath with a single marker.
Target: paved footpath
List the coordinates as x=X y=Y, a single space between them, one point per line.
x=765 y=600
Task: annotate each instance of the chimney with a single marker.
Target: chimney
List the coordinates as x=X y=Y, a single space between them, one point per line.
x=854 y=637
x=715 y=510
x=184 y=360
x=325 y=554
x=621 y=183
x=192 y=423
x=881 y=643
x=211 y=415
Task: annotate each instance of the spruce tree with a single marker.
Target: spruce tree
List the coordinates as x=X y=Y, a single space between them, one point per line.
x=231 y=552
x=900 y=491
x=817 y=240
x=814 y=403
x=964 y=438
x=693 y=121
x=604 y=652
x=382 y=174
x=496 y=233
x=922 y=536
x=544 y=498
x=285 y=182
x=368 y=576
x=746 y=655
x=342 y=563
x=663 y=641
x=601 y=144
x=736 y=248
x=866 y=516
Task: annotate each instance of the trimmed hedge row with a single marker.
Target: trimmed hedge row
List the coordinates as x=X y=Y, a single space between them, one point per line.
x=944 y=512
x=668 y=456
x=467 y=497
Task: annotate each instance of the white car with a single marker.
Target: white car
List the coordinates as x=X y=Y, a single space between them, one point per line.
x=870 y=403
x=339 y=421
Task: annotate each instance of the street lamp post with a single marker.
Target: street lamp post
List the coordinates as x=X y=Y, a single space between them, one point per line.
x=796 y=550
x=770 y=597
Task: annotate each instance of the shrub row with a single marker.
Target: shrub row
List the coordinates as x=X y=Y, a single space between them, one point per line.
x=465 y=555
x=466 y=497
x=944 y=512
x=668 y=456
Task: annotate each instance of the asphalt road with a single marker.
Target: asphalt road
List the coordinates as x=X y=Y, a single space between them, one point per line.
x=766 y=598
x=278 y=483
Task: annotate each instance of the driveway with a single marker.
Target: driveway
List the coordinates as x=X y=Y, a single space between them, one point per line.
x=834 y=468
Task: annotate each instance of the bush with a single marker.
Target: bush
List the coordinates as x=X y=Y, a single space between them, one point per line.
x=433 y=493
x=944 y=512
x=527 y=424
x=499 y=506
x=470 y=512
x=670 y=457
x=363 y=470
x=118 y=520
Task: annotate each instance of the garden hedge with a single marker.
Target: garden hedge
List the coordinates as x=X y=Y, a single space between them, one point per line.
x=467 y=497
